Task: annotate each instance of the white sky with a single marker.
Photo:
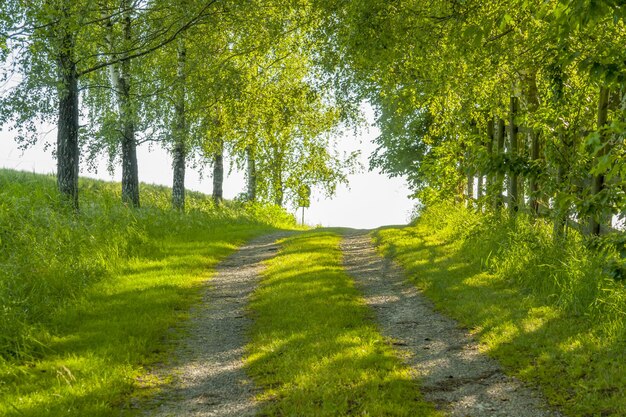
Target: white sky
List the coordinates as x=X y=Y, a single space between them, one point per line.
x=371 y=200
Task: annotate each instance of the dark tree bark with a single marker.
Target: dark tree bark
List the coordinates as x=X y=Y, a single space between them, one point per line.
x=251 y=175
x=178 y=187
x=218 y=172
x=67 y=133
x=120 y=76
x=597 y=182
x=130 y=169
x=513 y=153
x=279 y=194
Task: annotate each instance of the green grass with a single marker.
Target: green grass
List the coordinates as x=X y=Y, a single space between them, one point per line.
x=547 y=311
x=90 y=300
x=314 y=348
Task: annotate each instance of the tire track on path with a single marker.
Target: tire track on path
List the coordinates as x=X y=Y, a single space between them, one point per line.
x=209 y=379
x=452 y=372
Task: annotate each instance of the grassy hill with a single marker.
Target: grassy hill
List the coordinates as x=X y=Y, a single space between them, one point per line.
x=88 y=299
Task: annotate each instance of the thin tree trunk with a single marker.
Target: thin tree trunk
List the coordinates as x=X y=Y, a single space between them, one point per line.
x=534 y=136
x=500 y=132
x=513 y=153
x=470 y=190
x=251 y=176
x=180 y=133
x=130 y=169
x=120 y=77
x=277 y=177
x=178 y=186
x=218 y=172
x=534 y=185
x=597 y=182
x=489 y=179
x=278 y=190
x=560 y=218
x=469 y=179
x=67 y=133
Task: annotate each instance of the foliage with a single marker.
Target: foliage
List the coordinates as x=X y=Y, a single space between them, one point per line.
x=441 y=73
x=314 y=348
x=542 y=308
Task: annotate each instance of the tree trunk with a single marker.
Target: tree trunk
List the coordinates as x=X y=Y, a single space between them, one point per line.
x=130 y=169
x=534 y=136
x=278 y=190
x=120 y=76
x=277 y=176
x=180 y=132
x=251 y=176
x=500 y=132
x=67 y=133
x=178 y=187
x=597 y=182
x=470 y=189
x=469 y=179
x=560 y=216
x=218 y=172
x=513 y=153
x=489 y=178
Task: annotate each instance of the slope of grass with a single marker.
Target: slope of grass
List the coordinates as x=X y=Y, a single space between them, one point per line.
x=314 y=347
x=548 y=311
x=89 y=299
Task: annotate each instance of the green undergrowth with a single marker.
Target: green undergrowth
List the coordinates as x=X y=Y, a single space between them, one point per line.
x=548 y=310
x=314 y=348
x=89 y=299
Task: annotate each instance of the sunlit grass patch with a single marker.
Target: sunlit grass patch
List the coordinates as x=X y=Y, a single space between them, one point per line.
x=539 y=309
x=101 y=293
x=314 y=349
x=95 y=358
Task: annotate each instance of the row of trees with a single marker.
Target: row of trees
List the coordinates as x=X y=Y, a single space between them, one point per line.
x=200 y=78
x=515 y=103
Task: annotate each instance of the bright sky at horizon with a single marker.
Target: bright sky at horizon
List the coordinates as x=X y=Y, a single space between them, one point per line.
x=371 y=200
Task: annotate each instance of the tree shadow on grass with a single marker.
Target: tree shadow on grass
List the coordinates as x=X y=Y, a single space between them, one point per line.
x=94 y=358
x=315 y=350
x=568 y=355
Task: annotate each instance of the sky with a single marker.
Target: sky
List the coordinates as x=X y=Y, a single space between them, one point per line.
x=371 y=199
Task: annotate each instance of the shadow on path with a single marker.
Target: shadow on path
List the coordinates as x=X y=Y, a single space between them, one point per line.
x=452 y=372
x=209 y=379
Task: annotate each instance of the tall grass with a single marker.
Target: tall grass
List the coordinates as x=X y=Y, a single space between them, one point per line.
x=550 y=310
x=572 y=273
x=49 y=254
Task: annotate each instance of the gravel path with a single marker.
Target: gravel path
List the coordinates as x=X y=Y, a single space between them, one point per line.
x=452 y=372
x=209 y=379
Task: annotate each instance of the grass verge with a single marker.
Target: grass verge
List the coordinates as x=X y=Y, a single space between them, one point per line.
x=314 y=348
x=101 y=293
x=546 y=311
